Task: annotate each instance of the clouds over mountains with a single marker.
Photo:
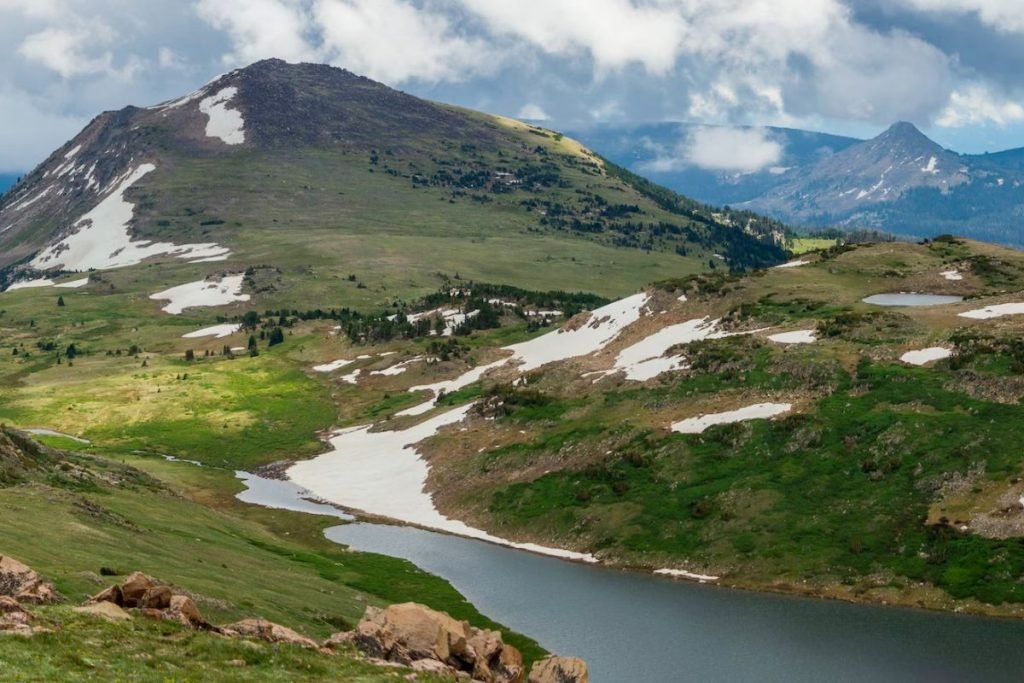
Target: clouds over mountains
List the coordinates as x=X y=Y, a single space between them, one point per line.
x=796 y=62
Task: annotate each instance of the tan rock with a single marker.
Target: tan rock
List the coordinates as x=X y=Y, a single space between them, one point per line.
x=112 y=594
x=17 y=580
x=184 y=610
x=106 y=610
x=432 y=666
x=157 y=597
x=559 y=670
x=135 y=588
x=425 y=633
x=339 y=641
x=268 y=631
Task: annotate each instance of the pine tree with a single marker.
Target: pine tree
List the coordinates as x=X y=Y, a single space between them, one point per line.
x=276 y=337
x=60 y=300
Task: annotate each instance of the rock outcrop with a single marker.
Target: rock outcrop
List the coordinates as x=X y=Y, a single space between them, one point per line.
x=153 y=599
x=427 y=640
x=20 y=582
x=14 y=619
x=268 y=631
x=559 y=670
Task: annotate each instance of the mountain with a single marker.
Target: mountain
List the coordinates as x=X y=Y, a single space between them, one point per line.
x=7 y=182
x=657 y=151
x=900 y=182
x=308 y=166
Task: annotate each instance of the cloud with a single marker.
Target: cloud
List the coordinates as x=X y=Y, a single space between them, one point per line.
x=533 y=112
x=259 y=29
x=614 y=33
x=1002 y=15
x=712 y=148
x=395 y=41
x=978 y=105
x=68 y=51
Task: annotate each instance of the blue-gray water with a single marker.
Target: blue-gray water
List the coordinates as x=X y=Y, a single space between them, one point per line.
x=912 y=299
x=638 y=628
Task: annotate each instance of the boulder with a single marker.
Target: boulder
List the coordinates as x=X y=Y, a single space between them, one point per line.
x=268 y=631
x=432 y=666
x=409 y=633
x=136 y=588
x=559 y=670
x=14 y=619
x=104 y=609
x=18 y=581
x=184 y=610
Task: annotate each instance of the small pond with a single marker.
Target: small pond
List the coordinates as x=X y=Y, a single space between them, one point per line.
x=911 y=299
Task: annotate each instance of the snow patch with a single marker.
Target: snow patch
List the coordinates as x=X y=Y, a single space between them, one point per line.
x=683 y=574
x=931 y=167
x=202 y=293
x=215 y=331
x=995 y=311
x=381 y=473
x=102 y=239
x=29 y=202
x=645 y=359
x=333 y=365
x=925 y=356
x=398 y=368
x=74 y=284
x=600 y=329
x=226 y=124
x=793 y=264
x=758 y=411
x=30 y=284
x=952 y=275
x=795 y=337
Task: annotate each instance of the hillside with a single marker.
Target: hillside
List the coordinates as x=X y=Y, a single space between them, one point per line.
x=889 y=183
x=323 y=174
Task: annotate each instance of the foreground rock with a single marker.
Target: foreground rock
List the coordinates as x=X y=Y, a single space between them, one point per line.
x=154 y=599
x=268 y=631
x=14 y=619
x=428 y=640
x=559 y=670
x=18 y=581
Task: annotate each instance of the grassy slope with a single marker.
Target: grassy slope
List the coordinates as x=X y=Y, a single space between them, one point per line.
x=237 y=560
x=833 y=499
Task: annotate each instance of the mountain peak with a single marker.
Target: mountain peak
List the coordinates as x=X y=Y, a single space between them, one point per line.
x=904 y=130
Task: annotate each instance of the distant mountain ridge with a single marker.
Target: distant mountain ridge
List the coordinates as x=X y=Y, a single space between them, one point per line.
x=900 y=181
x=7 y=181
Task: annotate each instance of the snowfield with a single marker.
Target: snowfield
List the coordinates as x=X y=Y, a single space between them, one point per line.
x=202 y=293
x=683 y=574
x=795 y=337
x=332 y=366
x=953 y=275
x=102 y=239
x=381 y=473
x=74 y=284
x=600 y=329
x=925 y=356
x=758 y=411
x=646 y=359
x=994 y=311
x=226 y=124
x=793 y=264
x=215 y=331
x=30 y=284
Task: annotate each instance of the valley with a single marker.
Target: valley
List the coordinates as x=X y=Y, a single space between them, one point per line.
x=436 y=319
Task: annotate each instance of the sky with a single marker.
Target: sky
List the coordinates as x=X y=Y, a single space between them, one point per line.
x=953 y=67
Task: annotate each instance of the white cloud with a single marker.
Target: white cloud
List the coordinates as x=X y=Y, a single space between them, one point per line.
x=533 y=112
x=977 y=105
x=394 y=41
x=1003 y=15
x=733 y=150
x=169 y=59
x=614 y=33
x=259 y=29
x=67 y=51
